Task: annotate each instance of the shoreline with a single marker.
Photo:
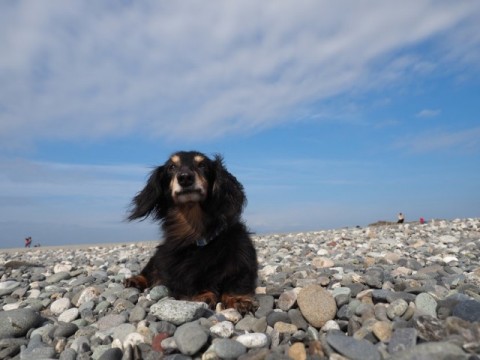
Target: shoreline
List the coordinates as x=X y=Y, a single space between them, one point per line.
x=380 y=223
x=398 y=292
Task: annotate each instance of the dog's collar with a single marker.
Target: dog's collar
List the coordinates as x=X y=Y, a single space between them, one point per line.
x=204 y=241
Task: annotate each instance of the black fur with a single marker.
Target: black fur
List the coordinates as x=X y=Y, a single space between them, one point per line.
x=206 y=208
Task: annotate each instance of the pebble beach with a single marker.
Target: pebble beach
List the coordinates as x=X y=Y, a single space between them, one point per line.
x=386 y=291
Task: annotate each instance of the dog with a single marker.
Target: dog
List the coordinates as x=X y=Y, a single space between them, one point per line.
x=207 y=254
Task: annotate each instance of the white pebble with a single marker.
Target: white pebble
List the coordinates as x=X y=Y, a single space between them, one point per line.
x=169 y=344
x=68 y=315
x=253 y=340
x=223 y=329
x=60 y=305
x=62 y=267
x=231 y=315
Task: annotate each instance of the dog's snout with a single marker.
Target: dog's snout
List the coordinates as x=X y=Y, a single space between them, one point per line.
x=186 y=178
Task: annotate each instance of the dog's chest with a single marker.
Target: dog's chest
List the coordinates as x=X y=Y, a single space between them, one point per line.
x=185 y=223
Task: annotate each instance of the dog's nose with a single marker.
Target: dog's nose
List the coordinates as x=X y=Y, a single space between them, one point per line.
x=186 y=178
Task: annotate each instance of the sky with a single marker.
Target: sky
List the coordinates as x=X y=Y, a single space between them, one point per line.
x=331 y=114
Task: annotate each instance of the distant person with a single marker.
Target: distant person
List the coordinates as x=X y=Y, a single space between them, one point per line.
x=401 y=218
x=28 y=241
x=422 y=220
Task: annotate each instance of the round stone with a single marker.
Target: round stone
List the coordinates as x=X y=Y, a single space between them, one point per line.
x=426 y=305
x=178 y=311
x=68 y=315
x=397 y=308
x=229 y=349
x=352 y=348
x=253 y=340
x=15 y=323
x=287 y=299
x=60 y=305
x=317 y=305
x=467 y=310
x=297 y=351
x=222 y=329
x=190 y=338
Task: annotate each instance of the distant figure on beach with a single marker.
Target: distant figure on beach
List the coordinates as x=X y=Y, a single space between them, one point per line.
x=401 y=218
x=422 y=220
x=28 y=241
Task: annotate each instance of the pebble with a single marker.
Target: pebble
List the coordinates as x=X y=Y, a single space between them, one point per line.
x=352 y=348
x=228 y=349
x=408 y=291
x=177 y=311
x=317 y=305
x=190 y=338
x=426 y=304
x=253 y=340
x=223 y=329
x=16 y=323
x=468 y=310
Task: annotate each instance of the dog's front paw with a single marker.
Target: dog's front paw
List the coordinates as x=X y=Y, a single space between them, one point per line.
x=242 y=303
x=207 y=297
x=139 y=281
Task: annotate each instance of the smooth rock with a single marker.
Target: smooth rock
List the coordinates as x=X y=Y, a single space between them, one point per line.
x=317 y=305
x=112 y=354
x=397 y=308
x=15 y=323
x=60 y=305
x=434 y=350
x=223 y=329
x=7 y=287
x=352 y=348
x=297 y=351
x=190 y=338
x=467 y=310
x=287 y=299
x=68 y=315
x=253 y=340
x=110 y=321
x=178 y=311
x=158 y=292
x=228 y=349
x=425 y=305
x=402 y=339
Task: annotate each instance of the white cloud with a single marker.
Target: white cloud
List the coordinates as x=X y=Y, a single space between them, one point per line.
x=428 y=113
x=437 y=140
x=76 y=69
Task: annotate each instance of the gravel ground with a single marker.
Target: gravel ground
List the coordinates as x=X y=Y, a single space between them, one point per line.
x=405 y=291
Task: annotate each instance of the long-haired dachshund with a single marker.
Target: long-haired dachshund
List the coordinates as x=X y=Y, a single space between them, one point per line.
x=207 y=254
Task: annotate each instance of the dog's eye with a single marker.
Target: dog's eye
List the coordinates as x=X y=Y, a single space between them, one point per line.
x=172 y=167
x=201 y=165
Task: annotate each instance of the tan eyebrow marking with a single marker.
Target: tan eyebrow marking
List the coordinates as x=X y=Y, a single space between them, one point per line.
x=198 y=158
x=175 y=159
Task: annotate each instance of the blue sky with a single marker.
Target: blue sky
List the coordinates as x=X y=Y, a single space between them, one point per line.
x=331 y=114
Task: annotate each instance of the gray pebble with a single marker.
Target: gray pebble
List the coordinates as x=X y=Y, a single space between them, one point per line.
x=228 y=349
x=352 y=348
x=178 y=311
x=468 y=310
x=15 y=323
x=190 y=338
x=112 y=354
x=402 y=339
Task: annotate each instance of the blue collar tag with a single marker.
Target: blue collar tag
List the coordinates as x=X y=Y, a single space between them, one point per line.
x=202 y=242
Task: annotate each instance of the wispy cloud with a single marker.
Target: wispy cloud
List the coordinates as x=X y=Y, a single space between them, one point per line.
x=78 y=69
x=438 y=140
x=428 y=113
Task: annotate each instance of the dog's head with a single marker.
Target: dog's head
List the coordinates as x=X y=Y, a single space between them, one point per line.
x=190 y=177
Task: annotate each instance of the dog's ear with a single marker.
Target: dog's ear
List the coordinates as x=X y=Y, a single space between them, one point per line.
x=228 y=197
x=153 y=198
